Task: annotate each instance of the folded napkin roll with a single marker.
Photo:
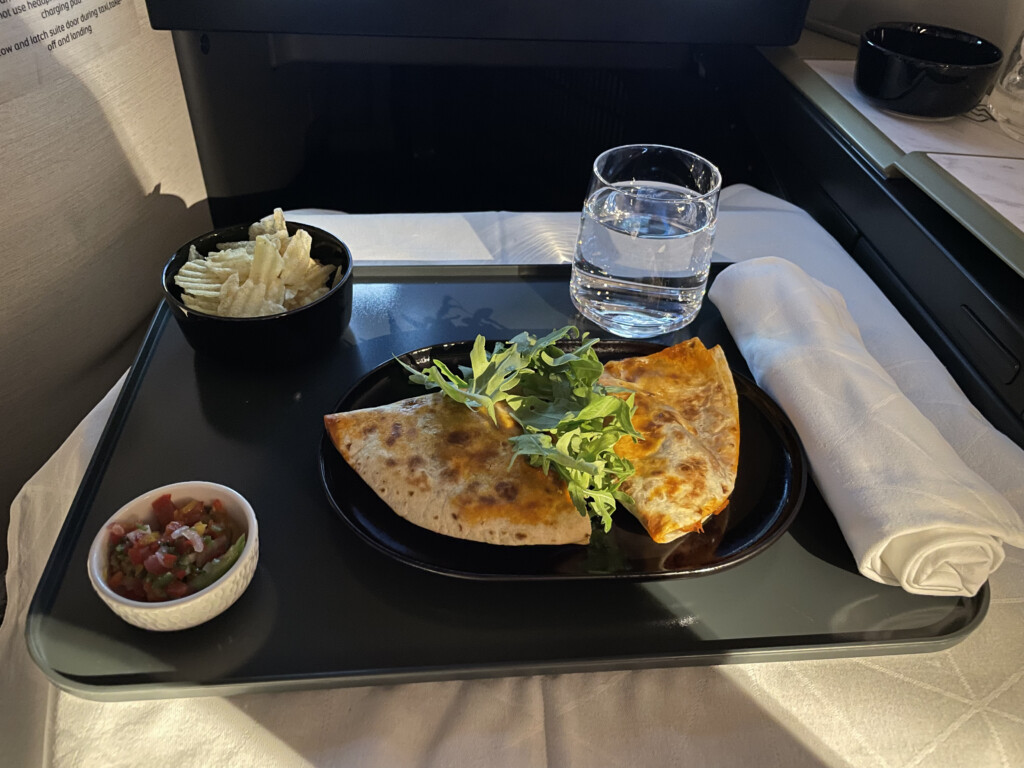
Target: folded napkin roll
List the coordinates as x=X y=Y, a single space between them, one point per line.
x=911 y=511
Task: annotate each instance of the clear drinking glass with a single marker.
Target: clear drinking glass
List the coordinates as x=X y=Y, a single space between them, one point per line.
x=1006 y=102
x=644 y=245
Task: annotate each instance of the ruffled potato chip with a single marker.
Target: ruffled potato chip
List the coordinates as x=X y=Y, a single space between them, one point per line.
x=269 y=274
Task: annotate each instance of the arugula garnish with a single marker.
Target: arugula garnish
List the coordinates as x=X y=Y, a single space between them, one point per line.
x=570 y=422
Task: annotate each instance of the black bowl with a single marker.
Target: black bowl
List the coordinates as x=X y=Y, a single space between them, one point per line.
x=924 y=70
x=291 y=336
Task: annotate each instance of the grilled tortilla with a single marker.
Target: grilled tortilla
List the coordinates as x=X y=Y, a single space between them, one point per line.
x=688 y=412
x=447 y=468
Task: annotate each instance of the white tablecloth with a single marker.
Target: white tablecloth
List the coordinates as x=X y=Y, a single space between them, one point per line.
x=959 y=707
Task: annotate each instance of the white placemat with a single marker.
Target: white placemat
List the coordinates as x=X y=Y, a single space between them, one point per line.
x=959 y=135
x=485 y=237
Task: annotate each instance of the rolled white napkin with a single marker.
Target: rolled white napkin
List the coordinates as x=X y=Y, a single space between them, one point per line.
x=912 y=512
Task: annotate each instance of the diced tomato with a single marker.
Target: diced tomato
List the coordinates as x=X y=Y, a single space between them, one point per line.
x=116 y=579
x=138 y=553
x=117 y=533
x=191 y=513
x=164 y=509
x=176 y=589
x=160 y=562
x=152 y=593
x=132 y=588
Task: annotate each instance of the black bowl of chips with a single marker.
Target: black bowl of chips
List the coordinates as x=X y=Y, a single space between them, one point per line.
x=923 y=70
x=271 y=292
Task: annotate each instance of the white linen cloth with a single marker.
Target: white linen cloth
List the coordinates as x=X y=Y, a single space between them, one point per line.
x=773 y=227
x=958 y=708
x=912 y=512
x=478 y=237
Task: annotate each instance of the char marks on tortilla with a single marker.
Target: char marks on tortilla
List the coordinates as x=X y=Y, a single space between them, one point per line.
x=449 y=469
x=688 y=411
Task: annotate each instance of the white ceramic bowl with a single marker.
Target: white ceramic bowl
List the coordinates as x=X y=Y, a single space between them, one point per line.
x=203 y=605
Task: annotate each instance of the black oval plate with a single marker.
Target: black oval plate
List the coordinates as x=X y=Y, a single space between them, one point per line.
x=769 y=488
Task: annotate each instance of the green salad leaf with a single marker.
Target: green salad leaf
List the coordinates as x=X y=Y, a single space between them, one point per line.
x=570 y=422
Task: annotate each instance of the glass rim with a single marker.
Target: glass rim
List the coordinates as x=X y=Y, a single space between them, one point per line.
x=716 y=175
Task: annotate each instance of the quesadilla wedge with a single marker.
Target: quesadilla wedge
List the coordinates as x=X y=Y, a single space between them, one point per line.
x=449 y=469
x=688 y=413
x=679 y=481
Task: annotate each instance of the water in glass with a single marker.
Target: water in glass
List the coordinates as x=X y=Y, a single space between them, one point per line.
x=642 y=257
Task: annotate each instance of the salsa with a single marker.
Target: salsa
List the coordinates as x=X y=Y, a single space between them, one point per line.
x=191 y=547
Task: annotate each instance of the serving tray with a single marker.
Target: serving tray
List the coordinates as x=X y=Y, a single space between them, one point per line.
x=327 y=609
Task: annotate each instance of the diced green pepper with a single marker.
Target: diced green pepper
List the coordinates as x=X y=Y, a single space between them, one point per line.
x=217 y=567
x=163 y=580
